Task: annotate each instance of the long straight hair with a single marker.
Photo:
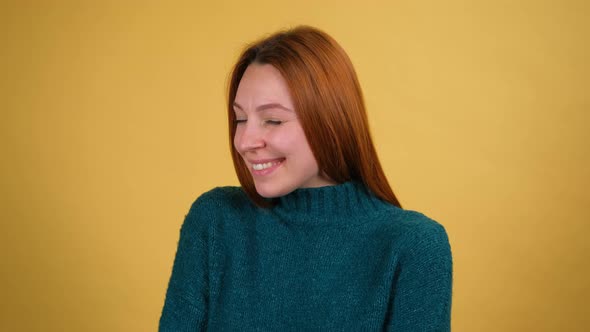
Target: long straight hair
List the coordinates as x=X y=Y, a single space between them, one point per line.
x=329 y=104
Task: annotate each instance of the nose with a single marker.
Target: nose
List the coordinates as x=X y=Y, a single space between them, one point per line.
x=248 y=137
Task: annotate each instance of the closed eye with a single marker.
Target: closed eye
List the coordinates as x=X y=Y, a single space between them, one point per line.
x=273 y=122
x=238 y=121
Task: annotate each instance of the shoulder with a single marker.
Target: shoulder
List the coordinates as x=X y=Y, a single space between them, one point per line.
x=424 y=240
x=221 y=198
x=407 y=223
x=214 y=206
x=412 y=230
x=418 y=225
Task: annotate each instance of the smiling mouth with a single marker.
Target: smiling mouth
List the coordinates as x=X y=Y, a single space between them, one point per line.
x=267 y=167
x=259 y=167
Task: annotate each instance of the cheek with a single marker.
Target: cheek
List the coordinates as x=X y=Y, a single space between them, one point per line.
x=281 y=141
x=237 y=136
x=285 y=140
x=294 y=143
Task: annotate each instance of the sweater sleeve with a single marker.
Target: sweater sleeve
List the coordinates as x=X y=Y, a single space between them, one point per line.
x=423 y=281
x=185 y=307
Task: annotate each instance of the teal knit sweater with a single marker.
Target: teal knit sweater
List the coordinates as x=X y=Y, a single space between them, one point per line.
x=334 y=258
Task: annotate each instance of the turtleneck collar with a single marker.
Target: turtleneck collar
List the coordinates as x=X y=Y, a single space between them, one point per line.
x=328 y=205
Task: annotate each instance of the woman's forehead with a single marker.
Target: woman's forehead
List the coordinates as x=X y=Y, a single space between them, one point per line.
x=262 y=87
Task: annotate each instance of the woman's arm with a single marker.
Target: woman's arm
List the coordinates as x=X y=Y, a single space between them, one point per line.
x=423 y=286
x=185 y=308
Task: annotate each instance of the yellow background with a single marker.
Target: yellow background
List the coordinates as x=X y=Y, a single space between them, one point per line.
x=112 y=123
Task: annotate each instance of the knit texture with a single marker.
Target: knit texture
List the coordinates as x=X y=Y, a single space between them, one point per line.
x=334 y=258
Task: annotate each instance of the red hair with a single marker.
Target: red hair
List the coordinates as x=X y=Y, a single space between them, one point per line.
x=329 y=104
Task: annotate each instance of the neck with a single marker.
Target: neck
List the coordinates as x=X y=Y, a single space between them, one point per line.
x=328 y=205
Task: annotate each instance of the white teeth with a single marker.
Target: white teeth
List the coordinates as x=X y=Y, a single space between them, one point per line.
x=259 y=167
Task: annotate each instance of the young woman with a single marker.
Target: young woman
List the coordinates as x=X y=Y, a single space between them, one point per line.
x=314 y=239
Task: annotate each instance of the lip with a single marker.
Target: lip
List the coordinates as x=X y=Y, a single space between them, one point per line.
x=266 y=171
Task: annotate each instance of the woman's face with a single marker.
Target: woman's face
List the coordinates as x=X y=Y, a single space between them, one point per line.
x=269 y=136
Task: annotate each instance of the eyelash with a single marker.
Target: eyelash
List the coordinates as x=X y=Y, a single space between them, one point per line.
x=270 y=122
x=273 y=122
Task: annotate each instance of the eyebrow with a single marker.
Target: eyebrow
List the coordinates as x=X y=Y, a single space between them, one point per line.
x=265 y=107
